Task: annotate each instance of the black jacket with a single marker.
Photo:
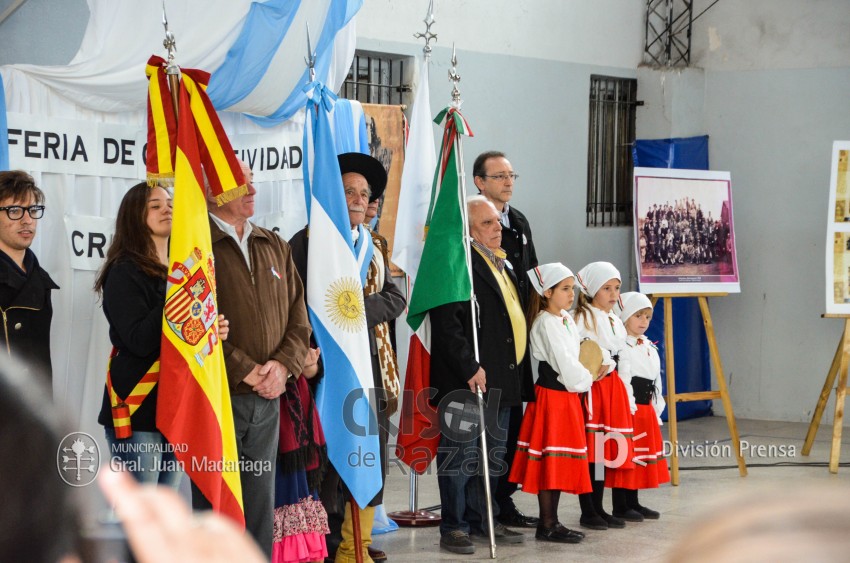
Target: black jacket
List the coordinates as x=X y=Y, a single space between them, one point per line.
x=132 y=303
x=452 y=354
x=26 y=312
x=517 y=244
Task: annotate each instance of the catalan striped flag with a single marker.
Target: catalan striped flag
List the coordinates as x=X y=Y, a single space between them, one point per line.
x=193 y=408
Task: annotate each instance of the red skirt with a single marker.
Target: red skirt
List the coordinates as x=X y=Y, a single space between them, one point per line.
x=551 y=450
x=650 y=464
x=611 y=422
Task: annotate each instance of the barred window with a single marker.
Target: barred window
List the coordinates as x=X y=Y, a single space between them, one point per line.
x=609 y=159
x=376 y=79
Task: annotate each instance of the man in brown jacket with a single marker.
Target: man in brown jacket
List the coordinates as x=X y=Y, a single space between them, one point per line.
x=260 y=293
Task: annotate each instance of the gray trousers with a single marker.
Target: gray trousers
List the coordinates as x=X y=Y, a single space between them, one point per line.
x=257 y=425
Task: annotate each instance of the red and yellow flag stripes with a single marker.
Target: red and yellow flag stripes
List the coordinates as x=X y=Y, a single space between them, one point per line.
x=193 y=408
x=214 y=149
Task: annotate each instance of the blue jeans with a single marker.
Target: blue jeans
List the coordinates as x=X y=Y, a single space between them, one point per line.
x=459 y=471
x=147 y=455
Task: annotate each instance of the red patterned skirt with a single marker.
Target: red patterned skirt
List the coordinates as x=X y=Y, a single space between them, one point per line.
x=610 y=421
x=551 y=450
x=650 y=464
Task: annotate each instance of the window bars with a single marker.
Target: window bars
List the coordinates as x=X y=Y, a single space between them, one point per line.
x=375 y=79
x=609 y=162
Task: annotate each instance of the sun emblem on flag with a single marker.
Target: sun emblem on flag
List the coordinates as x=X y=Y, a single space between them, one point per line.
x=344 y=304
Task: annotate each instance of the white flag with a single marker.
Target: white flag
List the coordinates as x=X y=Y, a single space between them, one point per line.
x=420 y=161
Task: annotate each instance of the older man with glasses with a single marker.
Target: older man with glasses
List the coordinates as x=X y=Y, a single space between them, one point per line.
x=25 y=307
x=494 y=177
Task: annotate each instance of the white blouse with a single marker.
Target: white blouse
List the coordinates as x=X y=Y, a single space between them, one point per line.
x=610 y=334
x=643 y=361
x=555 y=340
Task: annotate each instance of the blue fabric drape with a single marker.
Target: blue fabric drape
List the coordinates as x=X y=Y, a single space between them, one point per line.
x=249 y=57
x=692 y=361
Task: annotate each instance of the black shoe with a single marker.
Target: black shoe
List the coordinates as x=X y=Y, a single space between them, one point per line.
x=558 y=534
x=457 y=541
x=594 y=522
x=376 y=554
x=648 y=513
x=501 y=534
x=613 y=521
x=517 y=519
x=629 y=515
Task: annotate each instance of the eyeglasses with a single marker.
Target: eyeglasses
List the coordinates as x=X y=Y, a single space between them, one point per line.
x=502 y=177
x=16 y=212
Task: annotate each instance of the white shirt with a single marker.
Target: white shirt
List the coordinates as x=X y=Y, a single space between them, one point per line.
x=643 y=361
x=610 y=334
x=231 y=230
x=555 y=340
x=504 y=218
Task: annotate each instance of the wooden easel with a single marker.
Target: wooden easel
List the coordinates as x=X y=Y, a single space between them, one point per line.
x=839 y=366
x=672 y=397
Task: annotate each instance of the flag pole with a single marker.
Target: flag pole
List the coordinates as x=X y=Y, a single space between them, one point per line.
x=414 y=516
x=171 y=69
x=454 y=77
x=310 y=60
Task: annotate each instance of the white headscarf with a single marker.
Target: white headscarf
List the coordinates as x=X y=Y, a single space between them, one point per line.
x=632 y=302
x=595 y=275
x=548 y=275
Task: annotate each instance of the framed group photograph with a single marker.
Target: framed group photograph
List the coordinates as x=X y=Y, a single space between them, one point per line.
x=838 y=233
x=684 y=231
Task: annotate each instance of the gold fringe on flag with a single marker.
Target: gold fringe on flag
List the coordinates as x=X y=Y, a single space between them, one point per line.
x=223 y=173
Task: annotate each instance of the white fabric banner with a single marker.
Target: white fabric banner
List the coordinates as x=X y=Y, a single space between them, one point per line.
x=74 y=146
x=96 y=148
x=89 y=239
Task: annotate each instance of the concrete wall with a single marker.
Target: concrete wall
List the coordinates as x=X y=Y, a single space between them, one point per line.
x=42 y=32
x=769 y=88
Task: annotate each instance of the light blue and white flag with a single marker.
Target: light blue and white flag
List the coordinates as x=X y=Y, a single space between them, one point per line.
x=336 y=308
x=258 y=78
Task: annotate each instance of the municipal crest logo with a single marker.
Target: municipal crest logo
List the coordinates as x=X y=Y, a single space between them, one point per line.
x=344 y=304
x=78 y=459
x=191 y=310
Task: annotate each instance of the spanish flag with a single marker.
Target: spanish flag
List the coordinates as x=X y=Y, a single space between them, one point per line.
x=193 y=409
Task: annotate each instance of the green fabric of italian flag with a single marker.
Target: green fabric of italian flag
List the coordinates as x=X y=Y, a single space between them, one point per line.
x=443 y=276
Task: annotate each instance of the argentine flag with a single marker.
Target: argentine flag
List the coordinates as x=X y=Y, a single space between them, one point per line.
x=335 y=305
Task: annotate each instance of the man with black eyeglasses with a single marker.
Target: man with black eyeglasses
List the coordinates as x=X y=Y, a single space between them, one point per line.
x=25 y=307
x=494 y=177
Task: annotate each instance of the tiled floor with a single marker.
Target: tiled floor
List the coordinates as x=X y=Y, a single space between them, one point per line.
x=700 y=494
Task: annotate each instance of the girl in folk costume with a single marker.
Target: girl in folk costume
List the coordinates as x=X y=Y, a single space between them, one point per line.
x=644 y=370
x=552 y=450
x=300 y=519
x=609 y=423
x=132 y=285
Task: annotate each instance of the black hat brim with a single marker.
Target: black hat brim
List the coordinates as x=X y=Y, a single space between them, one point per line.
x=367 y=166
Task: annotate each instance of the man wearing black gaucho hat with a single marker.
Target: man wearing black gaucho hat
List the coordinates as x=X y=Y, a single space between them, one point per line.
x=364 y=180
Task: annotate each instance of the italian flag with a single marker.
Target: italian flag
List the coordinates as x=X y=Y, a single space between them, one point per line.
x=442 y=277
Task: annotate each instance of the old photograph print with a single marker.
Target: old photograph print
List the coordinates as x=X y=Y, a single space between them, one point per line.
x=837 y=292
x=684 y=231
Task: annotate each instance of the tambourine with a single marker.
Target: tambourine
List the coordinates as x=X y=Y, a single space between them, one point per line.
x=590 y=356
